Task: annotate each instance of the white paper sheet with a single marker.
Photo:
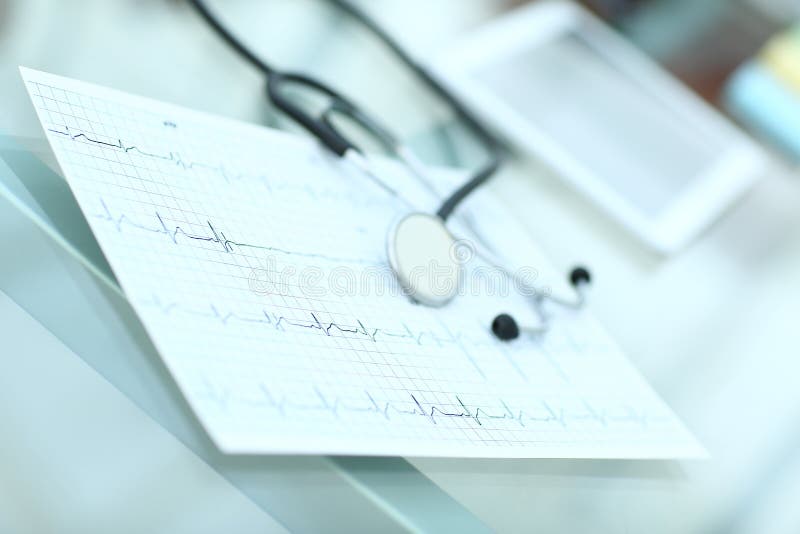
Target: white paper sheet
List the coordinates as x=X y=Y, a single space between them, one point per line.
x=257 y=264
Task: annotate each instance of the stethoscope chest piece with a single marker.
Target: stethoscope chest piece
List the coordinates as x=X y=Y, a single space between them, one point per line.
x=422 y=255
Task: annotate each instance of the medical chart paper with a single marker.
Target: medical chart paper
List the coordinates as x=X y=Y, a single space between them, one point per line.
x=257 y=264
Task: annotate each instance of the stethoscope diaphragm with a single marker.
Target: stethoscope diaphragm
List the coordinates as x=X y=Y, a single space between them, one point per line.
x=422 y=255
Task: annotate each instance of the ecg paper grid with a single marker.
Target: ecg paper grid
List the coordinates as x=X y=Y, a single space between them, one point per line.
x=196 y=215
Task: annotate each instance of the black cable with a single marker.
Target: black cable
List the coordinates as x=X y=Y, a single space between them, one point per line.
x=228 y=37
x=477 y=179
x=463 y=113
x=461 y=110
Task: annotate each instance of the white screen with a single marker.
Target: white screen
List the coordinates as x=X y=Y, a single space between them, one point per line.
x=610 y=124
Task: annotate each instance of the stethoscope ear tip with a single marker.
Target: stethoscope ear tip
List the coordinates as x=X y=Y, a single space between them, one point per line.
x=505 y=327
x=580 y=276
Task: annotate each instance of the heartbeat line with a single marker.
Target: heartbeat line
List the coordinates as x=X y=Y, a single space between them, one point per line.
x=173 y=157
x=312 y=323
x=361 y=331
x=317 y=401
x=272 y=185
x=214 y=236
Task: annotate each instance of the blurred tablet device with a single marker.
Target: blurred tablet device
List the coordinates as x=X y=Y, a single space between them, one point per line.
x=555 y=81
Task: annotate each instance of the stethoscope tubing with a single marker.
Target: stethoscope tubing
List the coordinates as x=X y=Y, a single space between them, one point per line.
x=323 y=128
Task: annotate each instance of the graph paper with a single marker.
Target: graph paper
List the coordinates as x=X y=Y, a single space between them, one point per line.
x=257 y=265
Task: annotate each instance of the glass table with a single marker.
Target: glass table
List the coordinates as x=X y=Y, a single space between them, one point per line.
x=703 y=333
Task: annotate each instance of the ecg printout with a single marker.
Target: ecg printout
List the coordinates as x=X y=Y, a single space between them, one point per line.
x=257 y=264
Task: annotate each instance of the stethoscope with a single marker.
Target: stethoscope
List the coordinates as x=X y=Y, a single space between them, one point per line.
x=418 y=240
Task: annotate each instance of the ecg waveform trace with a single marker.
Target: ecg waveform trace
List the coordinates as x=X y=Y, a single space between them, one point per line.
x=285 y=405
x=271 y=184
x=293 y=371
x=279 y=322
x=228 y=245
x=328 y=328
